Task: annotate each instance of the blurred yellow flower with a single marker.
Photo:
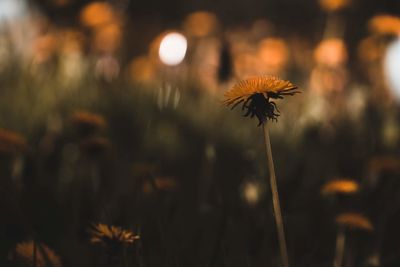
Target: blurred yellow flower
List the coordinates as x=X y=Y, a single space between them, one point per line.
x=111 y=235
x=96 y=14
x=274 y=55
x=344 y=186
x=331 y=52
x=255 y=94
x=354 y=221
x=385 y=24
x=23 y=254
x=334 y=5
x=88 y=121
x=107 y=38
x=200 y=23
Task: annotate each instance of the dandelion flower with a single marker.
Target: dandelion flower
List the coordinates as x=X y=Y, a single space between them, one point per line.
x=255 y=94
x=111 y=235
x=343 y=186
x=334 y=5
x=87 y=122
x=354 y=221
x=385 y=24
x=23 y=254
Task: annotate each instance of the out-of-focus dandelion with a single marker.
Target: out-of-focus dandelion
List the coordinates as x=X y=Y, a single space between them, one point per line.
x=30 y=253
x=112 y=236
x=274 y=55
x=350 y=221
x=331 y=52
x=142 y=70
x=87 y=122
x=334 y=5
x=355 y=221
x=107 y=38
x=340 y=186
x=114 y=240
x=172 y=49
x=160 y=184
x=200 y=24
x=11 y=142
x=385 y=24
x=255 y=94
x=97 y=14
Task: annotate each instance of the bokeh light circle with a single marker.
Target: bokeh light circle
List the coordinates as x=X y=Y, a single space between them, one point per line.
x=392 y=67
x=173 y=49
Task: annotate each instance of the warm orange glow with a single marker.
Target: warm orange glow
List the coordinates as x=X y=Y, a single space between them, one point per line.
x=274 y=54
x=354 y=221
x=344 y=186
x=71 y=41
x=107 y=38
x=96 y=14
x=331 y=52
x=371 y=49
x=142 y=69
x=200 y=24
x=333 y=5
x=88 y=119
x=385 y=24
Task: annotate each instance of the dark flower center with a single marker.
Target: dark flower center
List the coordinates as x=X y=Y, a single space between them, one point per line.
x=260 y=106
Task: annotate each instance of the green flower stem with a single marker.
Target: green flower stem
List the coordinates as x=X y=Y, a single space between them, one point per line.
x=275 y=199
x=340 y=245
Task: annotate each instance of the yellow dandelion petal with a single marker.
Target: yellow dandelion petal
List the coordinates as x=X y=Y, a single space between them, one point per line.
x=354 y=220
x=255 y=94
x=23 y=254
x=344 y=186
x=110 y=235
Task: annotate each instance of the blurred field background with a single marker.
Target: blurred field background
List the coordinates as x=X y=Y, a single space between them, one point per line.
x=97 y=125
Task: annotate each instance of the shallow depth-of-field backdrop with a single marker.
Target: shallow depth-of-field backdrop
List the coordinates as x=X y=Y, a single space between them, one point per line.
x=116 y=149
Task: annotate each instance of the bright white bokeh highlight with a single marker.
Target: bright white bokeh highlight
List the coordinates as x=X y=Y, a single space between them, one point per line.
x=392 y=67
x=173 y=49
x=11 y=9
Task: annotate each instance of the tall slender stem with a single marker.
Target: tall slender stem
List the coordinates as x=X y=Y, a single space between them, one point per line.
x=340 y=244
x=275 y=199
x=34 y=254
